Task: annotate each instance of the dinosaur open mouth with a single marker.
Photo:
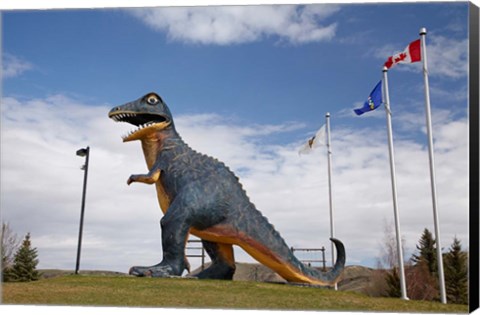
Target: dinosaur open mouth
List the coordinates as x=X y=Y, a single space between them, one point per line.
x=146 y=123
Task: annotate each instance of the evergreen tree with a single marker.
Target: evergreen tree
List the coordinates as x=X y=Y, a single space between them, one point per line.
x=427 y=251
x=25 y=262
x=393 y=283
x=456 y=274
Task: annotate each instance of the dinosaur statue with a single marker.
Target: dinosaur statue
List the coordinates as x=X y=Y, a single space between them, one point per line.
x=200 y=195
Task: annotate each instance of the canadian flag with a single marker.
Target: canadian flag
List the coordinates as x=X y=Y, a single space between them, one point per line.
x=412 y=53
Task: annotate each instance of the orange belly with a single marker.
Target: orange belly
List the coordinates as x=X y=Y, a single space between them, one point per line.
x=162 y=196
x=224 y=234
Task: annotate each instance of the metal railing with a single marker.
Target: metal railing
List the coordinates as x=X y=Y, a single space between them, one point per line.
x=201 y=255
x=309 y=262
x=199 y=252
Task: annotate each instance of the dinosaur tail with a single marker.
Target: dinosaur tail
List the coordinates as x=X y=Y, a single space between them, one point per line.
x=332 y=276
x=267 y=246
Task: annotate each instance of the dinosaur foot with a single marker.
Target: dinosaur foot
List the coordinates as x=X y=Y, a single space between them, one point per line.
x=152 y=271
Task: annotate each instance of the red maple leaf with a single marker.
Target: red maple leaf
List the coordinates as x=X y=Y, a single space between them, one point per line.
x=400 y=57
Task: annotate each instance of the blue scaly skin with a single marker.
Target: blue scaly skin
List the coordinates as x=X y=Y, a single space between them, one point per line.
x=199 y=195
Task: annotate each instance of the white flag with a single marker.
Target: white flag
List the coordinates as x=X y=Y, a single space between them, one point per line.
x=319 y=139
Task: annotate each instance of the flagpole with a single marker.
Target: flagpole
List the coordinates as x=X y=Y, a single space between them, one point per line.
x=401 y=268
x=441 y=279
x=329 y=155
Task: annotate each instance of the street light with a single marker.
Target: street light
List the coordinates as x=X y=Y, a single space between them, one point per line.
x=82 y=152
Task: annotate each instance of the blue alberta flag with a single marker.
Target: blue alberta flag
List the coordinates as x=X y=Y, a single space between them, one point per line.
x=373 y=102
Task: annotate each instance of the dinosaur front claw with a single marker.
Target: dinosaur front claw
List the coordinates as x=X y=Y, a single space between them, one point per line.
x=131 y=179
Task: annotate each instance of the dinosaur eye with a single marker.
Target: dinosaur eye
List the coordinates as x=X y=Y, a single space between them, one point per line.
x=152 y=100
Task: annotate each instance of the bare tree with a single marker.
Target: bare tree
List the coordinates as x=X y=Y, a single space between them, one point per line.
x=9 y=245
x=385 y=277
x=421 y=285
x=388 y=248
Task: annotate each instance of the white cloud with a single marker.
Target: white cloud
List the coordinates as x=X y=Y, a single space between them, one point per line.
x=456 y=96
x=13 y=66
x=447 y=56
x=224 y=25
x=41 y=183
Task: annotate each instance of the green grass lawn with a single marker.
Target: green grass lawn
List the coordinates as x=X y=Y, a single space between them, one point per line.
x=191 y=293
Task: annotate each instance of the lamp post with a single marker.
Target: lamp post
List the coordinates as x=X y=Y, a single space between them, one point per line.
x=82 y=152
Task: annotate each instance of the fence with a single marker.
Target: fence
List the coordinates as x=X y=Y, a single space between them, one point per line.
x=199 y=251
x=310 y=261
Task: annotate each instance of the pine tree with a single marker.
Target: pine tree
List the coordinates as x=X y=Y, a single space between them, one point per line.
x=25 y=262
x=393 y=283
x=422 y=276
x=427 y=251
x=456 y=274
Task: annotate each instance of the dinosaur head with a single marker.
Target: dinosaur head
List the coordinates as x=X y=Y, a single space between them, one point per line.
x=149 y=113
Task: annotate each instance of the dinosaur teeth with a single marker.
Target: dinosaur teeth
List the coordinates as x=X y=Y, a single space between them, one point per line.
x=139 y=127
x=123 y=116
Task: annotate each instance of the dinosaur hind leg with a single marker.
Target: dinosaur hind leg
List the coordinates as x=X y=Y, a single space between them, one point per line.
x=174 y=228
x=223 y=262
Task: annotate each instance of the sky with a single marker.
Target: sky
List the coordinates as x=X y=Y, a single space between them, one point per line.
x=248 y=85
